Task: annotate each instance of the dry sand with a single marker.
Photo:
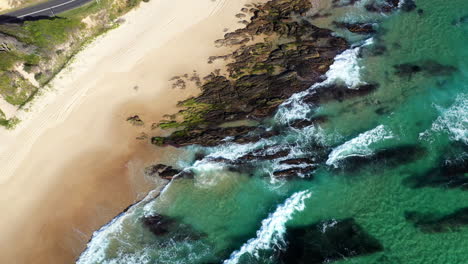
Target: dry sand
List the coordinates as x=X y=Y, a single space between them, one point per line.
x=74 y=163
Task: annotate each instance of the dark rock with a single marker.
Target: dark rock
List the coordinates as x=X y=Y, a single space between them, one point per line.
x=163 y=171
x=358 y=28
x=170 y=229
x=390 y=157
x=261 y=75
x=298 y=161
x=135 y=120
x=158 y=224
x=406 y=69
x=295 y=172
x=448 y=174
x=460 y=21
x=206 y=137
x=386 y=7
x=408 y=6
x=327 y=241
x=265 y=154
x=324 y=94
x=302 y=123
x=436 y=223
x=428 y=66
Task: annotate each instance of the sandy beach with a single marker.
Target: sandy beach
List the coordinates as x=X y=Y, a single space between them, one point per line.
x=74 y=162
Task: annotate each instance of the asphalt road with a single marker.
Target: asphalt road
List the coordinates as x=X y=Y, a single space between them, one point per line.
x=49 y=9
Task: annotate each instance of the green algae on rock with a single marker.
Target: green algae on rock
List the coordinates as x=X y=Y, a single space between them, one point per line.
x=293 y=56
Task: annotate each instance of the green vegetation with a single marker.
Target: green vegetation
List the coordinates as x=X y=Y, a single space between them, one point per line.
x=158 y=141
x=192 y=115
x=50 y=33
x=9 y=123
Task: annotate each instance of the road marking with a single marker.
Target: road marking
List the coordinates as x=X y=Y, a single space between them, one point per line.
x=45 y=9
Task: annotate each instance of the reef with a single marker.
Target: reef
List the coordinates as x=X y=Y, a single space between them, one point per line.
x=390 y=157
x=437 y=223
x=327 y=241
x=428 y=67
x=450 y=172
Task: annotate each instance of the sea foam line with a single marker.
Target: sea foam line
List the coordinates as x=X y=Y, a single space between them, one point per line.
x=273 y=228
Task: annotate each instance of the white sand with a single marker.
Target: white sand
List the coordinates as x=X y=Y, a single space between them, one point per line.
x=74 y=163
x=4 y=5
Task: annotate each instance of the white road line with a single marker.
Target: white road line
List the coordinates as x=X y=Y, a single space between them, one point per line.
x=71 y=1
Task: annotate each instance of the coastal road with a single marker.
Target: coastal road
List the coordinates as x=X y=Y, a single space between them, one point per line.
x=49 y=9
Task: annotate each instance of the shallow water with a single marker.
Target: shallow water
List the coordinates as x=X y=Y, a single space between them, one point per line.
x=242 y=217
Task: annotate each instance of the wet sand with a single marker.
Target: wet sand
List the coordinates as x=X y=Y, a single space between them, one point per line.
x=74 y=163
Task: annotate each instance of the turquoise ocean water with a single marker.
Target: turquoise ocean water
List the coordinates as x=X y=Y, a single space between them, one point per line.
x=418 y=114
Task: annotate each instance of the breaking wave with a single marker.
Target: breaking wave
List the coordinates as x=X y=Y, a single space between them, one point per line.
x=273 y=228
x=360 y=145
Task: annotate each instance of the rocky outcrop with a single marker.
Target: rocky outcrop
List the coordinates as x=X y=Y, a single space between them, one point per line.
x=212 y=136
x=135 y=120
x=164 y=226
x=294 y=55
x=327 y=241
x=265 y=154
x=358 y=28
x=337 y=92
x=158 y=224
x=295 y=172
x=166 y=172
x=163 y=171
x=386 y=6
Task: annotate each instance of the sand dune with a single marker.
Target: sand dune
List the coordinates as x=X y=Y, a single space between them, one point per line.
x=74 y=162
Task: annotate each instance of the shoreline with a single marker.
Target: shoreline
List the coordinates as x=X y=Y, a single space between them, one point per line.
x=52 y=158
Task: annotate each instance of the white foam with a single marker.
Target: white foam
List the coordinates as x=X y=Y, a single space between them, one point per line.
x=294 y=108
x=360 y=145
x=345 y=69
x=273 y=228
x=233 y=151
x=453 y=120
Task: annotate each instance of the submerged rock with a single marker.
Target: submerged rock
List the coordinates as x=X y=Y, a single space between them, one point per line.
x=408 y=5
x=170 y=229
x=429 y=67
x=448 y=174
x=327 y=241
x=389 y=157
x=460 y=21
x=158 y=224
x=436 y=223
